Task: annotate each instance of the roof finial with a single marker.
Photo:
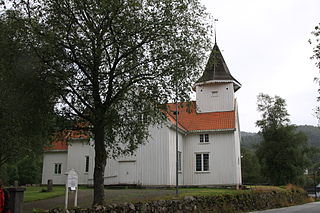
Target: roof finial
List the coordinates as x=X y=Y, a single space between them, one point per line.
x=215 y=31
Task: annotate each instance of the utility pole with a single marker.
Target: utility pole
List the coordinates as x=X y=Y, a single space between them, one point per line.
x=177 y=142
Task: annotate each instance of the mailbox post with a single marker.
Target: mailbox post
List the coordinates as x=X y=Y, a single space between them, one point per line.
x=72 y=185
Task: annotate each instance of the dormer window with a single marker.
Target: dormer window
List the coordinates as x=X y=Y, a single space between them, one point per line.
x=214 y=93
x=204 y=138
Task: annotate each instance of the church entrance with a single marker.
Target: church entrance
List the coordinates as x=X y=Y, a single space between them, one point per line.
x=127 y=172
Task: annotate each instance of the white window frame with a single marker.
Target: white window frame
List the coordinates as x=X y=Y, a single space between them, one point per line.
x=202 y=162
x=86 y=164
x=57 y=169
x=204 y=138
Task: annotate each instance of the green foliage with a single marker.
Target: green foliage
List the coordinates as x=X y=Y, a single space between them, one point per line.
x=26 y=97
x=250 y=167
x=12 y=174
x=274 y=113
x=29 y=170
x=316 y=42
x=282 y=152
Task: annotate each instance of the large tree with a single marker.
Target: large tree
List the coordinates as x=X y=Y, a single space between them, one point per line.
x=26 y=104
x=118 y=62
x=282 y=152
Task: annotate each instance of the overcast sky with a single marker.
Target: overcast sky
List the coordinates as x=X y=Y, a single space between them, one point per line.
x=265 y=45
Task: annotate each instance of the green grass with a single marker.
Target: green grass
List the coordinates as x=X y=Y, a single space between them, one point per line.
x=146 y=195
x=142 y=195
x=34 y=193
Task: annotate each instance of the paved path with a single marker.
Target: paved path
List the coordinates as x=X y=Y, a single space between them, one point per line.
x=306 y=208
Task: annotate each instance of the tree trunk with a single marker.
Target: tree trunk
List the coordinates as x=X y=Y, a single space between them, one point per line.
x=100 y=164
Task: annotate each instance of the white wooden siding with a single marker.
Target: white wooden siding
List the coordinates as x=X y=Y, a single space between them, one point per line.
x=172 y=156
x=154 y=163
x=153 y=158
x=77 y=150
x=222 y=166
x=49 y=159
x=237 y=145
x=223 y=100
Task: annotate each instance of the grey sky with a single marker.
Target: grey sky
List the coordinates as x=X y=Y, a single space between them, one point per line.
x=265 y=45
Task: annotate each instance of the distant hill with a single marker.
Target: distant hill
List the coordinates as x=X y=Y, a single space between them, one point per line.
x=250 y=140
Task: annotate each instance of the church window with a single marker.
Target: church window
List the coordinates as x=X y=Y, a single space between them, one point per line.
x=57 y=168
x=204 y=138
x=179 y=161
x=214 y=93
x=202 y=162
x=86 y=169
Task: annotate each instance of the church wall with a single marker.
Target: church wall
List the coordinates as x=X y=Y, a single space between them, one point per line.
x=215 y=97
x=222 y=166
x=148 y=166
x=153 y=158
x=237 y=147
x=49 y=161
x=172 y=156
x=77 y=152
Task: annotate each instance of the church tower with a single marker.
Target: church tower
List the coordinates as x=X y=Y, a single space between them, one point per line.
x=216 y=87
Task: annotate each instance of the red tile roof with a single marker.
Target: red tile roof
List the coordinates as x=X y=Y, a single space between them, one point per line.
x=60 y=142
x=190 y=120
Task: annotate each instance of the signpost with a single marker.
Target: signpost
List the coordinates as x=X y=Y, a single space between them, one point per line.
x=72 y=185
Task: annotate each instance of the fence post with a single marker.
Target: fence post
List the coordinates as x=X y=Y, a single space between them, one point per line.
x=16 y=199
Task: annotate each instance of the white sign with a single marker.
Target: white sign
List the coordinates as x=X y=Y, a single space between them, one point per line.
x=72 y=179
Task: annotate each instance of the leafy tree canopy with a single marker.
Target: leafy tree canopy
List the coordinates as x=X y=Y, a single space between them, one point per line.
x=282 y=153
x=250 y=167
x=117 y=63
x=26 y=106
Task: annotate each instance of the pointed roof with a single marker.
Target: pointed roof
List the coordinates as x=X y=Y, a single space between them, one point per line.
x=217 y=70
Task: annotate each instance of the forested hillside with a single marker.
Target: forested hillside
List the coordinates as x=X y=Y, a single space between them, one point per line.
x=252 y=167
x=250 y=140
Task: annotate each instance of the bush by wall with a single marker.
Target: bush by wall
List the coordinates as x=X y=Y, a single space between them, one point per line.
x=242 y=202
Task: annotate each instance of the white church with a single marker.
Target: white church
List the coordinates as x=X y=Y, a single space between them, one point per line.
x=208 y=148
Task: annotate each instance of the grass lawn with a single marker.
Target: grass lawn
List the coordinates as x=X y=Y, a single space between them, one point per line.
x=145 y=195
x=33 y=193
x=138 y=195
x=118 y=196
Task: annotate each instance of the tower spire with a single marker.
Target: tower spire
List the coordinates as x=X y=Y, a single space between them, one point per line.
x=215 y=30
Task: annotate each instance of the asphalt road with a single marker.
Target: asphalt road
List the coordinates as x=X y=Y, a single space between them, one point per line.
x=306 y=208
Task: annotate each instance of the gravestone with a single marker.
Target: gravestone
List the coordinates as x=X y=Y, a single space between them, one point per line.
x=49 y=185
